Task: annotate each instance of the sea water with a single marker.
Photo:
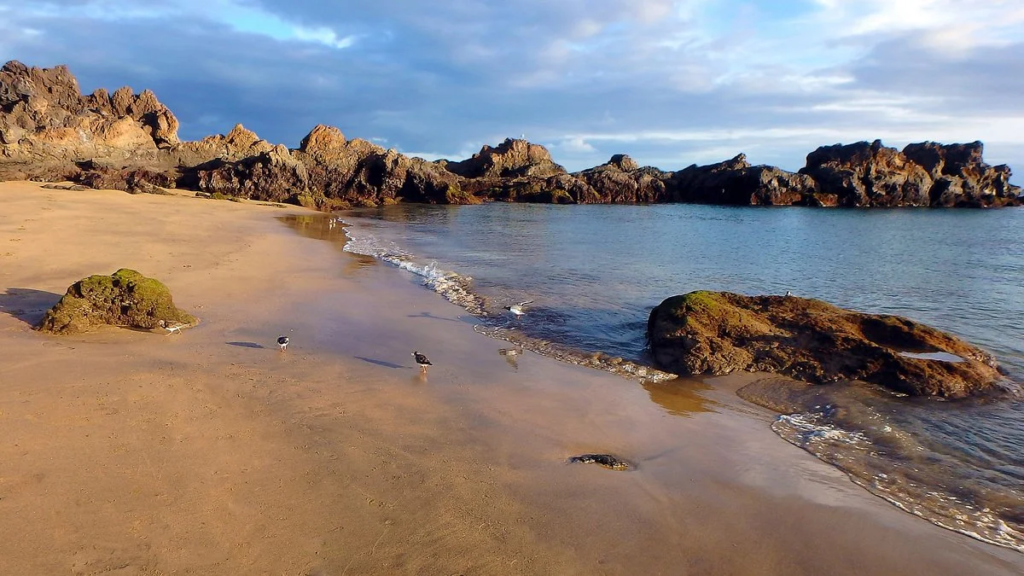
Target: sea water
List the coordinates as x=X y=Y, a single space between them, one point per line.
x=593 y=274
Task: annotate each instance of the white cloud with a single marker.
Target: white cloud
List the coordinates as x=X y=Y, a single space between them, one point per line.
x=324 y=36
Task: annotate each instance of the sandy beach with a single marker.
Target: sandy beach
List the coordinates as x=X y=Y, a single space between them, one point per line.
x=211 y=452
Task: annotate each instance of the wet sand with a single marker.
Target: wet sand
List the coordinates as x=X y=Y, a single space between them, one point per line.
x=211 y=452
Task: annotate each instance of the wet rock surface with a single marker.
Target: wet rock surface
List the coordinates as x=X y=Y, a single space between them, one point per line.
x=715 y=333
x=605 y=460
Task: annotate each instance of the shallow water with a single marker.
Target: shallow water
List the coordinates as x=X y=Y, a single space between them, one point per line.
x=594 y=273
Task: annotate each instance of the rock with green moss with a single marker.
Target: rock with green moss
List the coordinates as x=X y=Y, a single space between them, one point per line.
x=125 y=298
x=716 y=333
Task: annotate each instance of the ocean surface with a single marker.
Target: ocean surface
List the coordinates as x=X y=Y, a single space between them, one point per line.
x=593 y=274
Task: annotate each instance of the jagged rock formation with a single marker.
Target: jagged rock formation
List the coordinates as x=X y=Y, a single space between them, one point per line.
x=50 y=131
x=125 y=298
x=719 y=333
x=510 y=159
x=926 y=174
x=46 y=124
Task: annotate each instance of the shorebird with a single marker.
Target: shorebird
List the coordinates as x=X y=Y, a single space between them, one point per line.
x=517 y=309
x=282 y=341
x=422 y=361
x=788 y=294
x=172 y=326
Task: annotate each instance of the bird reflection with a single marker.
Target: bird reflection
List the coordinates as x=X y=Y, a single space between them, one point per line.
x=512 y=356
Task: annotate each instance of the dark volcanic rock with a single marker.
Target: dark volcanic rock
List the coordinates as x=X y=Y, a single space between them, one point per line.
x=125 y=298
x=718 y=333
x=511 y=159
x=864 y=174
x=272 y=176
x=49 y=131
x=329 y=171
x=621 y=181
x=960 y=177
x=606 y=460
x=736 y=182
x=925 y=174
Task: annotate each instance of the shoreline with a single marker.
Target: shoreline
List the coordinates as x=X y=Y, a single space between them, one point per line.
x=211 y=451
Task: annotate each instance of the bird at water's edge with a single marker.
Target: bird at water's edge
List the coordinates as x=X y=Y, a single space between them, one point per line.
x=172 y=326
x=282 y=341
x=517 y=309
x=422 y=360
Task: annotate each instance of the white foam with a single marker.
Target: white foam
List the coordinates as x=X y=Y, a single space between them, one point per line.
x=457 y=290
x=452 y=286
x=811 y=432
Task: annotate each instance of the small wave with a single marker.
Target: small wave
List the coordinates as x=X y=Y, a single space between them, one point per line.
x=457 y=289
x=872 y=466
x=454 y=287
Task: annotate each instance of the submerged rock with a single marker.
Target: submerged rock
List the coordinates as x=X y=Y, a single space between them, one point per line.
x=125 y=298
x=606 y=460
x=717 y=333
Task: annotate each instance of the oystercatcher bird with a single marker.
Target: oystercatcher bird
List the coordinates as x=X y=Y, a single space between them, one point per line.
x=282 y=341
x=422 y=360
x=172 y=326
x=517 y=309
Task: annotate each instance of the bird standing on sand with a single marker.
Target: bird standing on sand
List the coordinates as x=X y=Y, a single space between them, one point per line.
x=172 y=326
x=517 y=309
x=789 y=294
x=422 y=361
x=282 y=341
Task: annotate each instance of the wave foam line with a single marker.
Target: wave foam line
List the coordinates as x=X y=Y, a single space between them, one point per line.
x=835 y=446
x=456 y=289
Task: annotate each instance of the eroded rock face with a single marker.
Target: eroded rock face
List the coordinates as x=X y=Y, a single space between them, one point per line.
x=49 y=131
x=125 y=298
x=736 y=182
x=717 y=333
x=925 y=174
x=512 y=158
x=45 y=120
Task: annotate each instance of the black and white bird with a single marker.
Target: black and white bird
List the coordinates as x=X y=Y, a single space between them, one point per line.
x=282 y=341
x=172 y=326
x=789 y=294
x=422 y=360
x=517 y=309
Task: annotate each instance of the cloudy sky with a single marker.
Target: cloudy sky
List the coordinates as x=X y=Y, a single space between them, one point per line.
x=669 y=82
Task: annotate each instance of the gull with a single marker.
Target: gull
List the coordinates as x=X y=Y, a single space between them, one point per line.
x=517 y=309
x=422 y=361
x=282 y=341
x=172 y=326
x=788 y=294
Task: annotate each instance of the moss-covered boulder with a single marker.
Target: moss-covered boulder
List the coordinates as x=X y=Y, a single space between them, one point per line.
x=717 y=333
x=125 y=298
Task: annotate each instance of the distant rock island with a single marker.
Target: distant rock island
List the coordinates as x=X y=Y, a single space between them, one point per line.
x=50 y=132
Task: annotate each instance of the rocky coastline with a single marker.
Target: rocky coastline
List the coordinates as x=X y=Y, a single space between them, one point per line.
x=716 y=333
x=50 y=132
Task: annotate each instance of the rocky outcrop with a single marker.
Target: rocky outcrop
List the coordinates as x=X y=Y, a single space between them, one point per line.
x=926 y=174
x=47 y=125
x=718 y=333
x=736 y=182
x=50 y=131
x=125 y=298
x=512 y=158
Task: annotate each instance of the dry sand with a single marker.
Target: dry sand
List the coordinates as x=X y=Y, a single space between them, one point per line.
x=211 y=452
